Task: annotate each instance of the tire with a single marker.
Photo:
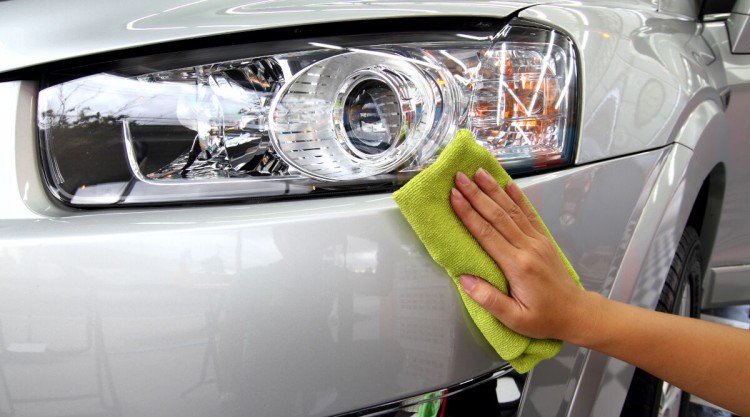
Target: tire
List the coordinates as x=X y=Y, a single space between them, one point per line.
x=649 y=396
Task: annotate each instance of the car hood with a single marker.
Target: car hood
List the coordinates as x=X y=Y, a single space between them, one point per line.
x=37 y=32
x=44 y=31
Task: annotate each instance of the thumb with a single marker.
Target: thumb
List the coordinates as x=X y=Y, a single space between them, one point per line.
x=490 y=298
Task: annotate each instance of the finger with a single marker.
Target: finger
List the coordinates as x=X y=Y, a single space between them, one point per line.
x=489 y=186
x=502 y=306
x=490 y=211
x=515 y=193
x=488 y=237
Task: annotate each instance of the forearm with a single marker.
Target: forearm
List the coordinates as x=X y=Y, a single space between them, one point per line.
x=691 y=354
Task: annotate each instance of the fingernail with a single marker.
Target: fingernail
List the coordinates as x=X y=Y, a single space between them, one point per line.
x=456 y=193
x=462 y=179
x=481 y=173
x=468 y=282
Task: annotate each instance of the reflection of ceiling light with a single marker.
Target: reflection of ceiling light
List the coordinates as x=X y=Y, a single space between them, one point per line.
x=472 y=37
x=131 y=24
x=237 y=10
x=324 y=45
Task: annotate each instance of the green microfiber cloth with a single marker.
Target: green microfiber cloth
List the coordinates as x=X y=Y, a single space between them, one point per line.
x=425 y=203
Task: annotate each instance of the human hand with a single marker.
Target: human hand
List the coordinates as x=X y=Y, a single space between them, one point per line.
x=543 y=301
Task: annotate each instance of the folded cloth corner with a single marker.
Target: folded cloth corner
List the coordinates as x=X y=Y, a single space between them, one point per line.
x=425 y=203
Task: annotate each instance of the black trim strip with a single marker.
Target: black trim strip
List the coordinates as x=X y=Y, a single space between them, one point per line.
x=65 y=70
x=451 y=390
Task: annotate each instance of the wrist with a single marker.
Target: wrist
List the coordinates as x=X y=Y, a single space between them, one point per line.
x=583 y=327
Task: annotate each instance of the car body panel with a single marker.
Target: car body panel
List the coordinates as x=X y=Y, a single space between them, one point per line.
x=640 y=72
x=17 y=109
x=145 y=22
x=654 y=232
x=655 y=238
x=694 y=120
x=684 y=8
x=570 y=368
x=159 y=275
x=729 y=281
x=165 y=289
x=328 y=305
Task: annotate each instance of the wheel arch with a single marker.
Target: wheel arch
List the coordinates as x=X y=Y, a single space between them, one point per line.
x=689 y=189
x=706 y=211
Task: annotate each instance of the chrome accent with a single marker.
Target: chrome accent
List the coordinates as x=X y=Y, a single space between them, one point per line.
x=429 y=396
x=714 y=17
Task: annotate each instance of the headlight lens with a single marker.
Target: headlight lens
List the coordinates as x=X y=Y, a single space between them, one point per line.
x=360 y=114
x=325 y=117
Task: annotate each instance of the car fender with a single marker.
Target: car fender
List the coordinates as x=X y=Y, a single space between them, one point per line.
x=696 y=152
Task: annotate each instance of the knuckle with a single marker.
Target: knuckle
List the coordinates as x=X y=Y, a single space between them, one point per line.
x=515 y=211
x=542 y=246
x=488 y=298
x=498 y=217
x=482 y=298
x=496 y=194
x=485 y=230
x=493 y=300
x=526 y=262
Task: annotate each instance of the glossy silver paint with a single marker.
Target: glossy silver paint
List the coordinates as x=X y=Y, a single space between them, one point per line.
x=296 y=309
x=729 y=281
x=686 y=9
x=68 y=26
x=640 y=72
x=596 y=385
x=738 y=26
x=143 y=22
x=316 y=307
x=339 y=281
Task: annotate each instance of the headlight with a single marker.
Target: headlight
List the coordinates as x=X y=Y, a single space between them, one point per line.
x=322 y=116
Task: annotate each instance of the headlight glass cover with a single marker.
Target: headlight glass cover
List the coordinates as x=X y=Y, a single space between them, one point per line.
x=323 y=116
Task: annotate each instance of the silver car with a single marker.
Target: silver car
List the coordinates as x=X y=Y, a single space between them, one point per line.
x=196 y=213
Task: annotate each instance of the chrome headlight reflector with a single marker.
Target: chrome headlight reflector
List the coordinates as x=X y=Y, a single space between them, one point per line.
x=358 y=114
x=324 y=117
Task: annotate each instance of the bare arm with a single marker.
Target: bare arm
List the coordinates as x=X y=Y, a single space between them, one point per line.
x=545 y=303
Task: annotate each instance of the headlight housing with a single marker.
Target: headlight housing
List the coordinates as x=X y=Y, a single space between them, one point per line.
x=322 y=115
